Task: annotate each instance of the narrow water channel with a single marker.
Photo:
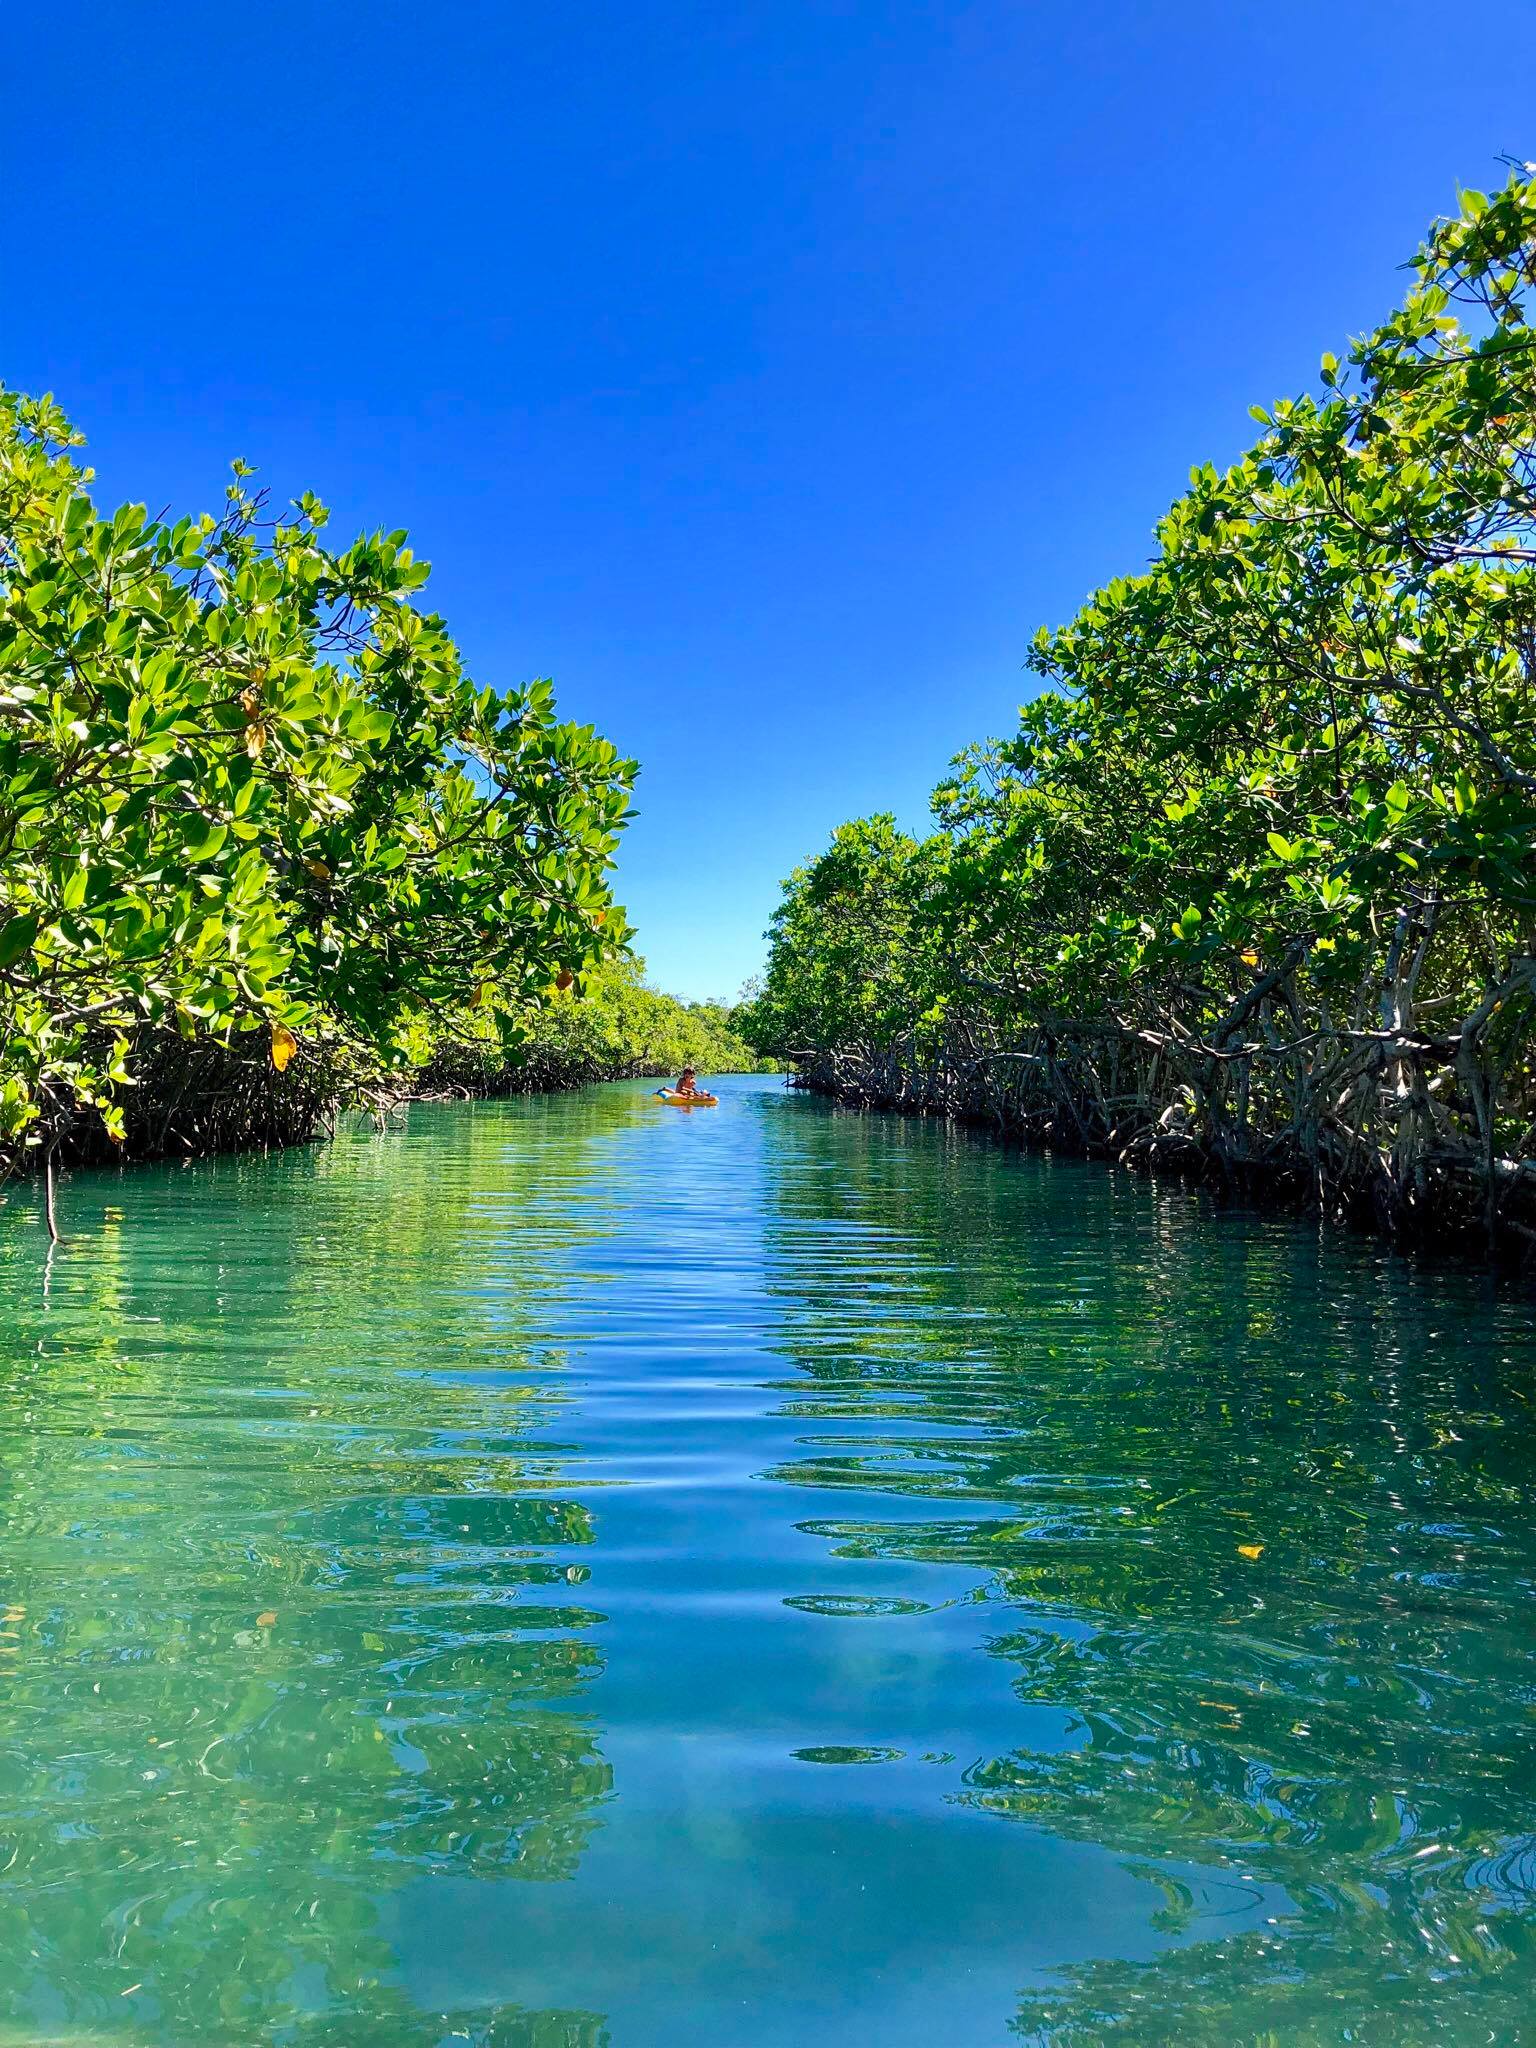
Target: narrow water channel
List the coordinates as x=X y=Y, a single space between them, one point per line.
x=573 y=1572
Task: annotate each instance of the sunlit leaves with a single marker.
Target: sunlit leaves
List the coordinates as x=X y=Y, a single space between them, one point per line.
x=1295 y=756
x=245 y=784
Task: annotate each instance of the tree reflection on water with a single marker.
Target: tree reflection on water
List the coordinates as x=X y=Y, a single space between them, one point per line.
x=1254 y=1519
x=295 y=1602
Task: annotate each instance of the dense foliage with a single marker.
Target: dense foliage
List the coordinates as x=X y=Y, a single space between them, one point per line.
x=613 y=1026
x=250 y=800
x=1254 y=880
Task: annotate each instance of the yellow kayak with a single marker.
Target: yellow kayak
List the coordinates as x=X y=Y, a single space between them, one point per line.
x=686 y=1101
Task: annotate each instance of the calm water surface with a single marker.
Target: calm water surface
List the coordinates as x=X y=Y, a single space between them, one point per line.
x=575 y=1572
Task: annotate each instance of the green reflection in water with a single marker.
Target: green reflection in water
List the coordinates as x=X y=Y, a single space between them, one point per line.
x=1254 y=1510
x=566 y=1574
x=293 y=1593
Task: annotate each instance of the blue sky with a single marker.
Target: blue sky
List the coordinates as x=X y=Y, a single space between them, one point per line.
x=765 y=374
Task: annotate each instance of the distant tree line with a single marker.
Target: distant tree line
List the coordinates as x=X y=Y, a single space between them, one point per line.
x=617 y=1026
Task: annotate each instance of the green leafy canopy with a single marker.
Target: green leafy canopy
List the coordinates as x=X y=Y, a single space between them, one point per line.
x=247 y=787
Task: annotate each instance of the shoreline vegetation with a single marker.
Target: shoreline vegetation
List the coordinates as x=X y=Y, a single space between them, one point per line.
x=194 y=1100
x=1251 y=893
x=618 y=1028
x=267 y=853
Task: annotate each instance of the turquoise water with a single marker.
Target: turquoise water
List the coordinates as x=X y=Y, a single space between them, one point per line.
x=573 y=1572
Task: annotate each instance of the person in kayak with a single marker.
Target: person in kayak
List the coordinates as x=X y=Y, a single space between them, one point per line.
x=687 y=1083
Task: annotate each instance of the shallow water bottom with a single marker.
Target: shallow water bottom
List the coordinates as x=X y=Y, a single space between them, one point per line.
x=566 y=1574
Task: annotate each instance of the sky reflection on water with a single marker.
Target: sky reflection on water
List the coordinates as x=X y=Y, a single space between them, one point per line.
x=565 y=1574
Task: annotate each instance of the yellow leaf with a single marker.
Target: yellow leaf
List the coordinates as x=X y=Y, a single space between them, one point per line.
x=284 y=1046
x=1250 y=1550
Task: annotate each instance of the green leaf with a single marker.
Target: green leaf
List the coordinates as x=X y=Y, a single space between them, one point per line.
x=16 y=937
x=203 y=840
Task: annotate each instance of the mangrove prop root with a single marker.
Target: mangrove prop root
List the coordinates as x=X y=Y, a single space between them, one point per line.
x=1394 y=1125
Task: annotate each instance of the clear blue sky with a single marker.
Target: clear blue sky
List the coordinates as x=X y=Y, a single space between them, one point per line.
x=763 y=373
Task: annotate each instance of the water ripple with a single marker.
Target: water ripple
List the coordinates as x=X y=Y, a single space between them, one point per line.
x=439 y=1571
